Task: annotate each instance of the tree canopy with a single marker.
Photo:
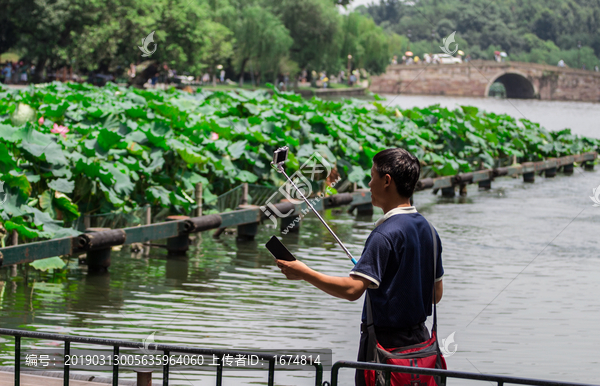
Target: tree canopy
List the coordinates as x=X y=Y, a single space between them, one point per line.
x=266 y=37
x=542 y=31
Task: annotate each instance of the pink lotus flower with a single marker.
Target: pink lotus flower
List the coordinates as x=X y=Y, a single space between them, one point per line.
x=214 y=136
x=41 y=121
x=62 y=130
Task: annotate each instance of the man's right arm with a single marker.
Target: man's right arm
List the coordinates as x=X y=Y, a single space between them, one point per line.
x=439 y=291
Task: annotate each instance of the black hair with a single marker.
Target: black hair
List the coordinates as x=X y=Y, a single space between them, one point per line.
x=403 y=167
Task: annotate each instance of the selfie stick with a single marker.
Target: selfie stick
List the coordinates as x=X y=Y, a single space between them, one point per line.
x=279 y=167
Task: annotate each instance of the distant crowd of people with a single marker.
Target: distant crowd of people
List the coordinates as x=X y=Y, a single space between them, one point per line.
x=17 y=73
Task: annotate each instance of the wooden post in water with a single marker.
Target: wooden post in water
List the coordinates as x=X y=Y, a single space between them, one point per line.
x=14 y=241
x=550 y=173
x=485 y=185
x=244 y=200
x=199 y=199
x=568 y=169
x=178 y=245
x=249 y=230
x=98 y=260
x=448 y=192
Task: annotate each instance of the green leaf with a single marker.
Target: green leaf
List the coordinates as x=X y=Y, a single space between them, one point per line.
x=66 y=206
x=107 y=139
x=48 y=263
x=246 y=176
x=237 y=149
x=62 y=185
x=24 y=230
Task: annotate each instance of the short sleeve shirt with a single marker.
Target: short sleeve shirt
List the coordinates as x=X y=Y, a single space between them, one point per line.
x=398 y=260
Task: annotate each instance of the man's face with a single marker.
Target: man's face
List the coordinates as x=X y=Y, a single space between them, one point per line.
x=377 y=185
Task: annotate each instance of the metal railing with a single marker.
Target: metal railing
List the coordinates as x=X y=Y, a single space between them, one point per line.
x=165 y=348
x=443 y=375
x=254 y=195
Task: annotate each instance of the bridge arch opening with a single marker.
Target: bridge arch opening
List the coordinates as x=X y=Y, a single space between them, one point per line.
x=516 y=86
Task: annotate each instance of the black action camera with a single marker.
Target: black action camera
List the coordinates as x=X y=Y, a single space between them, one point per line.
x=280 y=155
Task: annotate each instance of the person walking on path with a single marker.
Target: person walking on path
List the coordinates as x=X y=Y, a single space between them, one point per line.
x=395 y=266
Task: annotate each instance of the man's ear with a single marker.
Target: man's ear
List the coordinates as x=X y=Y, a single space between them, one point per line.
x=388 y=180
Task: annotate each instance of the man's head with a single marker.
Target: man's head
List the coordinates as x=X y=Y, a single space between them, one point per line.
x=394 y=175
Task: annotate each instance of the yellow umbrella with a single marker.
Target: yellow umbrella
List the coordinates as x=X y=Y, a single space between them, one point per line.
x=9 y=57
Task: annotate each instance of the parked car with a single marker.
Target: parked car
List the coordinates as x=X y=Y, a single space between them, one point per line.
x=447 y=59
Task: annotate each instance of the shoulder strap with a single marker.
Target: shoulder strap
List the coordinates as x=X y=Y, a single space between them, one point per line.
x=435 y=253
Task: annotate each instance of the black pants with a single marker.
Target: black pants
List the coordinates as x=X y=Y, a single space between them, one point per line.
x=389 y=338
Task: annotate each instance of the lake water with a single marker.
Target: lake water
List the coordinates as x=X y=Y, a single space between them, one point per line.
x=581 y=117
x=522 y=266
x=520 y=289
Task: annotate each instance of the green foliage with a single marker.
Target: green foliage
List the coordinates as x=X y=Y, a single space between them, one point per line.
x=127 y=148
x=368 y=44
x=262 y=39
x=536 y=31
x=48 y=263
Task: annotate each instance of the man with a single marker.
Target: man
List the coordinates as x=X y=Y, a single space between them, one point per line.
x=396 y=264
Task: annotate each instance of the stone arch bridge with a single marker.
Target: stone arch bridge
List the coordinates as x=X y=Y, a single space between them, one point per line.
x=473 y=79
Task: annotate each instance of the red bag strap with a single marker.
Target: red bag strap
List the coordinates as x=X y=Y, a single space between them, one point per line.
x=372 y=339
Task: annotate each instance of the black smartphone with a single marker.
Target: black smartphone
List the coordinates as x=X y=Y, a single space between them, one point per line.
x=278 y=250
x=280 y=155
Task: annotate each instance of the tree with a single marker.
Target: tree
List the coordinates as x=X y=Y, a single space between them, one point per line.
x=262 y=38
x=314 y=26
x=366 y=42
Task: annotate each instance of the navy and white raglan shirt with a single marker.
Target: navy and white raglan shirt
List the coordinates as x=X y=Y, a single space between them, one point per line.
x=398 y=260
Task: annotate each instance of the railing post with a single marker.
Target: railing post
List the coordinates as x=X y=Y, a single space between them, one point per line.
x=387 y=375
x=148 y=222
x=364 y=209
x=449 y=192
x=86 y=221
x=291 y=223
x=98 y=260
x=144 y=377
x=219 y=372
x=178 y=245
x=334 y=374
x=115 y=377
x=244 y=200
x=568 y=169
x=247 y=231
x=528 y=172
x=66 y=369
x=166 y=370
x=199 y=199
x=17 y=360
x=271 y=380
x=485 y=185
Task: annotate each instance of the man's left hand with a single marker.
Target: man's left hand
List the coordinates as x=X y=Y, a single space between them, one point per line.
x=292 y=270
